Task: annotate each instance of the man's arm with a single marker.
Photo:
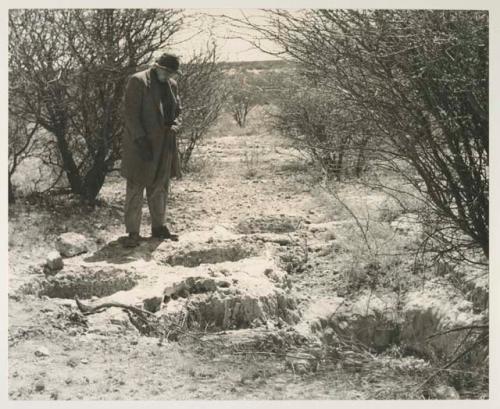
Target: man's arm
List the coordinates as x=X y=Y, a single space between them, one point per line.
x=178 y=106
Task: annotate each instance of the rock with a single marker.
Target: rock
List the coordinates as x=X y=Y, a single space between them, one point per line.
x=71 y=244
x=84 y=361
x=54 y=262
x=72 y=362
x=39 y=386
x=444 y=392
x=42 y=352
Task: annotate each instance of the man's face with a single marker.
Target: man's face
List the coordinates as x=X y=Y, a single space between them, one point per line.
x=164 y=74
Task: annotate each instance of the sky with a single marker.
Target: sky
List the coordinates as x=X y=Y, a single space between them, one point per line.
x=205 y=25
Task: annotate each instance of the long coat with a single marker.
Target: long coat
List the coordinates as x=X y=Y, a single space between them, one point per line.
x=145 y=117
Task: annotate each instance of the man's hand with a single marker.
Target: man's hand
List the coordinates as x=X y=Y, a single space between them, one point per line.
x=144 y=149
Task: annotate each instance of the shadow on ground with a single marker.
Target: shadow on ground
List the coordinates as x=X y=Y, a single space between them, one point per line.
x=115 y=251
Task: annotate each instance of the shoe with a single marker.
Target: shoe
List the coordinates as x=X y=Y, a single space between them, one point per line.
x=132 y=240
x=163 y=233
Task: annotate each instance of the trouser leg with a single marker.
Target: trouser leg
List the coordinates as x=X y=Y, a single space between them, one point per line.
x=157 y=202
x=133 y=206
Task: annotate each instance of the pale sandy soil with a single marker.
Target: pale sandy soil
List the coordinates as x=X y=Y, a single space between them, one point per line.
x=239 y=175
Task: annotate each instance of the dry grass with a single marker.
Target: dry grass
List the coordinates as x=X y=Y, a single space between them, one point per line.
x=252 y=162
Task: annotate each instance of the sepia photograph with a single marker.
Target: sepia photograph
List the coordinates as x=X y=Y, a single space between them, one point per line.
x=264 y=204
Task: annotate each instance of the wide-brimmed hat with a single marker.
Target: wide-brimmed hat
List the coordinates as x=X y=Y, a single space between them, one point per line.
x=168 y=61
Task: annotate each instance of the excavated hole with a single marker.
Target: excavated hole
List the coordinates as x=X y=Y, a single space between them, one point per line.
x=377 y=334
x=86 y=283
x=269 y=224
x=216 y=253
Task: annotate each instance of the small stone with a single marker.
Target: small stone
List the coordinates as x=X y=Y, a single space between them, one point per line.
x=445 y=392
x=84 y=361
x=15 y=374
x=245 y=379
x=39 y=386
x=68 y=381
x=72 y=362
x=42 y=352
x=54 y=395
x=71 y=244
x=54 y=262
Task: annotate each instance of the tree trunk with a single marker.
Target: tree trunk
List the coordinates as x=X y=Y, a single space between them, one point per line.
x=360 y=160
x=69 y=164
x=93 y=183
x=12 y=197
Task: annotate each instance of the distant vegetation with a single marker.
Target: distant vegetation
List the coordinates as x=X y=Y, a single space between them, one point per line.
x=404 y=89
x=398 y=91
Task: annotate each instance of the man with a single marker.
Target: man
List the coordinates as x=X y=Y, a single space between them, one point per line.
x=150 y=155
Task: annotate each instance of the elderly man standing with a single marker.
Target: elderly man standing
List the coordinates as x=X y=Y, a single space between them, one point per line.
x=150 y=155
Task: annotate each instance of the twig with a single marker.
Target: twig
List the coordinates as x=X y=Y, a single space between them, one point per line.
x=87 y=310
x=142 y=314
x=458 y=329
x=451 y=362
x=351 y=212
x=279 y=354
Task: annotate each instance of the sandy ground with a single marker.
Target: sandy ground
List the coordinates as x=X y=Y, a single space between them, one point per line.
x=238 y=175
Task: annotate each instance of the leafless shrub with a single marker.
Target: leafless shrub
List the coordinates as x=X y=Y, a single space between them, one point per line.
x=70 y=71
x=203 y=94
x=420 y=79
x=332 y=133
x=21 y=145
x=241 y=100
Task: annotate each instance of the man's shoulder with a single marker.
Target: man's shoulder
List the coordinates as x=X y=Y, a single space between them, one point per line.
x=141 y=75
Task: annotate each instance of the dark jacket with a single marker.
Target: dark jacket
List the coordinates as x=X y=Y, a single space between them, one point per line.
x=146 y=117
